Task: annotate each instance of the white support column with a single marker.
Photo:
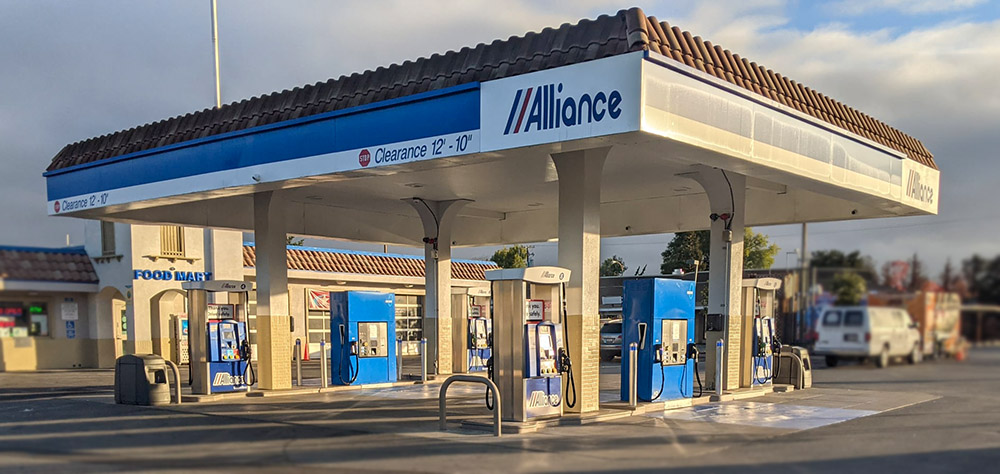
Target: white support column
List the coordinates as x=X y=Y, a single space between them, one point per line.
x=274 y=357
x=438 y=218
x=580 y=252
x=727 y=197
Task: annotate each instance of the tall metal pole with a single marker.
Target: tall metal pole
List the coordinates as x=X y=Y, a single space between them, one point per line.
x=803 y=282
x=215 y=44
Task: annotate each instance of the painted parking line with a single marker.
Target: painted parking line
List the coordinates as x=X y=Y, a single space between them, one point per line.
x=767 y=415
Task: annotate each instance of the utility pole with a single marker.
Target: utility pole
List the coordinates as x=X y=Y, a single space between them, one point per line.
x=208 y=234
x=215 y=44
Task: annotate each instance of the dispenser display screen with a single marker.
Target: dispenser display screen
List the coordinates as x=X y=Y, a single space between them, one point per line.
x=674 y=333
x=372 y=339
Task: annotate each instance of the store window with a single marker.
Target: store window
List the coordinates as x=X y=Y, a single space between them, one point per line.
x=107 y=238
x=38 y=319
x=171 y=241
x=19 y=319
x=409 y=322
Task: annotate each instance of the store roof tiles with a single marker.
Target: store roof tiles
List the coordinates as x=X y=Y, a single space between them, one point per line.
x=345 y=261
x=63 y=265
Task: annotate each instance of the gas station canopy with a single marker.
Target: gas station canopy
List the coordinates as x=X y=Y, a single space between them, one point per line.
x=480 y=125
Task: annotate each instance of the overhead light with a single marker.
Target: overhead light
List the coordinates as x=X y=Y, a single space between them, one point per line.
x=413 y=185
x=534 y=204
x=409 y=286
x=341 y=282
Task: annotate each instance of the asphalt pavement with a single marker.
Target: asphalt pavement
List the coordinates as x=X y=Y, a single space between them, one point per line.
x=939 y=416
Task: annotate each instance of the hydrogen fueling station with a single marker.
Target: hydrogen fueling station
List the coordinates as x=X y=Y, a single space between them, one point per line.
x=617 y=126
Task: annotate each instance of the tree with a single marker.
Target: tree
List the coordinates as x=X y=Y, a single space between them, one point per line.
x=837 y=259
x=983 y=278
x=917 y=277
x=758 y=252
x=684 y=247
x=613 y=266
x=849 y=288
x=948 y=278
x=291 y=240
x=974 y=273
x=894 y=274
x=511 y=257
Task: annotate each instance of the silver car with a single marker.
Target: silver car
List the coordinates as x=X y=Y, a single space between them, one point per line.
x=611 y=340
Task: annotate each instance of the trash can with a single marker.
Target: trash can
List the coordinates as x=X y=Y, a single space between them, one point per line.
x=141 y=380
x=794 y=367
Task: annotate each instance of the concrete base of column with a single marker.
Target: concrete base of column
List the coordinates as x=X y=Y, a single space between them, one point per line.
x=274 y=348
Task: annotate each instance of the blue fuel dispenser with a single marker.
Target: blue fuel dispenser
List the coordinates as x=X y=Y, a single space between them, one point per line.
x=658 y=315
x=361 y=324
x=542 y=371
x=229 y=356
x=219 y=351
x=530 y=362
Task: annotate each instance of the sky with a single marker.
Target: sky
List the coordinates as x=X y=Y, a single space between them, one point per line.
x=74 y=70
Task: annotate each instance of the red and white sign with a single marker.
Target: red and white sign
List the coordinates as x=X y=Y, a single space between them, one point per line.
x=317 y=300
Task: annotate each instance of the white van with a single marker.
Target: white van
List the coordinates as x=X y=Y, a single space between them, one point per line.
x=864 y=332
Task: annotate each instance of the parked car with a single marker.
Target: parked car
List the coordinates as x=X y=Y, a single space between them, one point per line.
x=611 y=340
x=864 y=332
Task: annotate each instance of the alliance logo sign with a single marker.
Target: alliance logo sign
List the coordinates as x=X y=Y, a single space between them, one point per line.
x=544 y=108
x=540 y=399
x=578 y=101
x=364 y=158
x=223 y=379
x=917 y=190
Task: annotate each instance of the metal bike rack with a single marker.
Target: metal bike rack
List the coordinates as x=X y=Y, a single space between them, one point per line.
x=177 y=378
x=443 y=396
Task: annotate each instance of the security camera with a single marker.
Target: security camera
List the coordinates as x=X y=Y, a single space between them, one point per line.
x=255 y=177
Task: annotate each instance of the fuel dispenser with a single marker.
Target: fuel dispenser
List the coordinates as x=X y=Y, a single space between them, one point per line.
x=658 y=316
x=219 y=343
x=362 y=324
x=472 y=328
x=530 y=361
x=761 y=345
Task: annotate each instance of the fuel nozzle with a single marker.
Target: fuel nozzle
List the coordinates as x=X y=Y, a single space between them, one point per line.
x=565 y=364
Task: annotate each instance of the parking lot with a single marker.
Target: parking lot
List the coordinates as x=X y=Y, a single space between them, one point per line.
x=939 y=415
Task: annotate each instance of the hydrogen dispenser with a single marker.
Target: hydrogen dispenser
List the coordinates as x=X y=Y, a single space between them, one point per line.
x=362 y=337
x=658 y=316
x=219 y=343
x=760 y=342
x=472 y=328
x=530 y=360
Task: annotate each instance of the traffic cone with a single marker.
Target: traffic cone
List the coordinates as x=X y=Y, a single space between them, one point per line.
x=305 y=352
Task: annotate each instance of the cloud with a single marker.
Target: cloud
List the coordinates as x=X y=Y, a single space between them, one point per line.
x=909 y=7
